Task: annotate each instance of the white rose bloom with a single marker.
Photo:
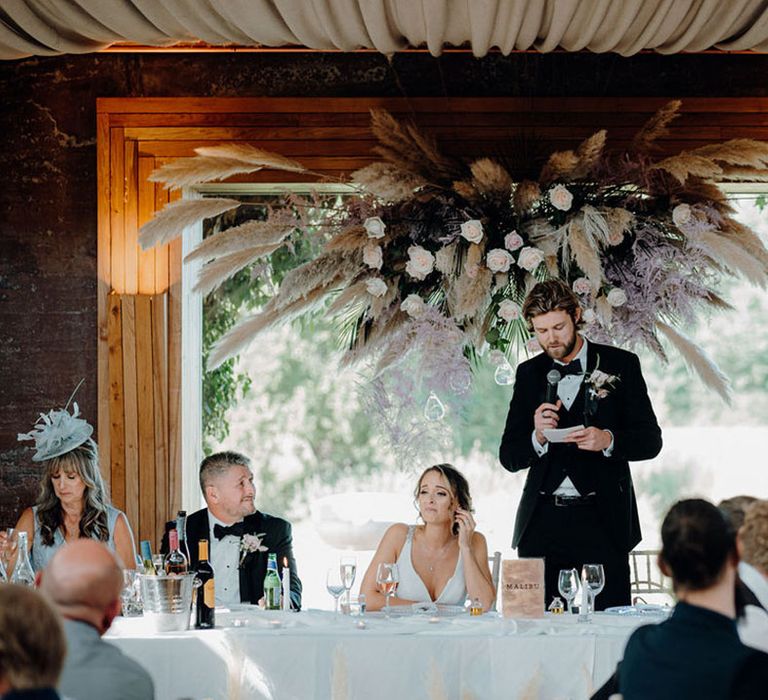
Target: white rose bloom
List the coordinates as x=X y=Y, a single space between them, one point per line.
x=373 y=256
x=513 y=240
x=375 y=227
x=420 y=262
x=472 y=230
x=376 y=286
x=413 y=305
x=682 y=215
x=533 y=345
x=498 y=260
x=530 y=258
x=589 y=316
x=497 y=357
x=617 y=297
x=582 y=286
x=508 y=311
x=560 y=198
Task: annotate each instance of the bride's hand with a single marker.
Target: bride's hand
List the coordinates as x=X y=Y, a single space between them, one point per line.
x=466 y=527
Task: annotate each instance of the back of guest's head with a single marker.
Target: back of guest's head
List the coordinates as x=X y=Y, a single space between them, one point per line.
x=83 y=580
x=32 y=643
x=697 y=542
x=753 y=536
x=735 y=508
x=456 y=482
x=219 y=463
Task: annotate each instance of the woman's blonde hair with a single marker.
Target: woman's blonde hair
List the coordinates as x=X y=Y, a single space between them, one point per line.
x=83 y=461
x=753 y=535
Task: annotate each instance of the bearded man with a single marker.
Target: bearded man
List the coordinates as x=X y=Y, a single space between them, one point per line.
x=578 y=505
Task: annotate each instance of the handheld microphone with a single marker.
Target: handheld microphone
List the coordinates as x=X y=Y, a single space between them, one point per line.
x=553 y=377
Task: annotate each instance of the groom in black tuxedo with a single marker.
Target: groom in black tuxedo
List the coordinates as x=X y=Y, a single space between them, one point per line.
x=227 y=484
x=578 y=505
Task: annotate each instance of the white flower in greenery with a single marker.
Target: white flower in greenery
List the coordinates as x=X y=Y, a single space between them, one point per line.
x=374 y=226
x=513 y=241
x=373 y=256
x=533 y=345
x=582 y=286
x=413 y=305
x=530 y=258
x=420 y=262
x=617 y=297
x=589 y=316
x=497 y=358
x=376 y=286
x=560 y=197
x=472 y=230
x=508 y=310
x=498 y=260
x=682 y=215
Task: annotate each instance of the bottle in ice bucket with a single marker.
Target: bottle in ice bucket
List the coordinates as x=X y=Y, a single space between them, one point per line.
x=272 y=585
x=146 y=558
x=175 y=562
x=475 y=607
x=556 y=607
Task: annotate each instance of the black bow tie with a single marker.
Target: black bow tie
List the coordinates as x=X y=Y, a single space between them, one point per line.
x=221 y=531
x=573 y=367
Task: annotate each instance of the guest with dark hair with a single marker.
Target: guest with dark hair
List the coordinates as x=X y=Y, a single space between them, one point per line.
x=696 y=653
x=752 y=543
x=445 y=560
x=32 y=645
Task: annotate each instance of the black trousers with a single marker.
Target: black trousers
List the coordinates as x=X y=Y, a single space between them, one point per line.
x=567 y=537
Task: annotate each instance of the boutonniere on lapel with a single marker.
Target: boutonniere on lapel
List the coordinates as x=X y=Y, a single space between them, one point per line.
x=251 y=543
x=599 y=384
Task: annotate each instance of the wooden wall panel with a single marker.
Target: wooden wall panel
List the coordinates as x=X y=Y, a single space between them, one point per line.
x=333 y=137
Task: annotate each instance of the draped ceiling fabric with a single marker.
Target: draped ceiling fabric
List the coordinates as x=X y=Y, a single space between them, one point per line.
x=49 y=27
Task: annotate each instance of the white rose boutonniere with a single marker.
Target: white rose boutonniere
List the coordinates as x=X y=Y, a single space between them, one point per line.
x=530 y=258
x=251 y=543
x=498 y=260
x=560 y=197
x=375 y=227
x=472 y=230
x=600 y=383
x=420 y=262
x=376 y=287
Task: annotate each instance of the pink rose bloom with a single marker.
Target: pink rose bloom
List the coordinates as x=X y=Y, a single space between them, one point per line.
x=413 y=305
x=513 y=241
x=533 y=345
x=508 y=311
x=498 y=260
x=420 y=262
x=376 y=287
x=530 y=258
x=582 y=286
x=373 y=256
x=472 y=230
x=560 y=198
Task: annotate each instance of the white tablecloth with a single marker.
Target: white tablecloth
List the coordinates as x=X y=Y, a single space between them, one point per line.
x=312 y=655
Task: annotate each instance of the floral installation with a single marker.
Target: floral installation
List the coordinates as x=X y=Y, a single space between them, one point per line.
x=431 y=252
x=251 y=543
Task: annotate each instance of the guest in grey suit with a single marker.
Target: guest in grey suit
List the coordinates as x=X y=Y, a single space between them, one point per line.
x=84 y=579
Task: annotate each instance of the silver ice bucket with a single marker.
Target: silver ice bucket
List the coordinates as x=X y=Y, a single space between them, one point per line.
x=167 y=601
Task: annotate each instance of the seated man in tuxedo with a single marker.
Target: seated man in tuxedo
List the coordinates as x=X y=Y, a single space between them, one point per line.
x=578 y=505
x=227 y=484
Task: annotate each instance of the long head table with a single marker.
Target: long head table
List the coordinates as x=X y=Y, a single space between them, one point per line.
x=309 y=655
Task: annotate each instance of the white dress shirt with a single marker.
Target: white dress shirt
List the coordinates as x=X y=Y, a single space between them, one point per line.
x=567 y=391
x=753 y=626
x=225 y=559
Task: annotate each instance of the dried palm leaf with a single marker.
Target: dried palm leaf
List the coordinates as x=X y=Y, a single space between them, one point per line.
x=251 y=155
x=619 y=222
x=717 y=302
x=588 y=154
x=739 y=152
x=380 y=304
x=184 y=172
x=474 y=257
x=596 y=228
x=732 y=255
x=490 y=177
x=245 y=236
x=656 y=126
x=559 y=166
x=350 y=238
x=321 y=273
x=446 y=259
x=471 y=294
x=604 y=311
x=746 y=238
x=217 y=271
x=466 y=189
x=695 y=358
x=355 y=293
x=525 y=196
x=687 y=164
x=387 y=182
x=176 y=216
x=584 y=251
x=380 y=339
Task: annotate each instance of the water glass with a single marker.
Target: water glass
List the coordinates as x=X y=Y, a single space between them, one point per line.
x=130 y=596
x=387 y=577
x=568 y=585
x=594 y=575
x=335 y=586
x=9 y=542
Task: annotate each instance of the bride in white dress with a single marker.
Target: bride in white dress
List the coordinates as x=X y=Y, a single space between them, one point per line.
x=442 y=561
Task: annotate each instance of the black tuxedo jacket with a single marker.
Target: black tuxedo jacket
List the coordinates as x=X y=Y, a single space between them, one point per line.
x=277 y=538
x=626 y=412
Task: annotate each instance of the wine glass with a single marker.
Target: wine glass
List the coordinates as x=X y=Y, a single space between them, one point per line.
x=594 y=575
x=348 y=569
x=387 y=577
x=335 y=586
x=568 y=585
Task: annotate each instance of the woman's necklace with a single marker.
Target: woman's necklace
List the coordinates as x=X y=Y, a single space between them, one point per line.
x=432 y=557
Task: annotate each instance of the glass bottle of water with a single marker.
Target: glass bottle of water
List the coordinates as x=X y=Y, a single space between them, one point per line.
x=23 y=573
x=272 y=585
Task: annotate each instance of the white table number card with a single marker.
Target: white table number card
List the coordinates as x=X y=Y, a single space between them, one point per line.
x=522 y=588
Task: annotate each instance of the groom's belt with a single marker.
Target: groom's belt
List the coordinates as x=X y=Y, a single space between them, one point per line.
x=565 y=501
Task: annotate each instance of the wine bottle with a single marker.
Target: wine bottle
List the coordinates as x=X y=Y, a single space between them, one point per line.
x=23 y=573
x=272 y=585
x=181 y=528
x=175 y=562
x=206 y=598
x=146 y=558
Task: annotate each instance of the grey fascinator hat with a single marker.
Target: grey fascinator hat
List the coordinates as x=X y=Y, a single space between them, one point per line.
x=58 y=432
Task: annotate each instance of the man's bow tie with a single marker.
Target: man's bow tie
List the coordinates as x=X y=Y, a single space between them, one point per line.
x=573 y=367
x=221 y=531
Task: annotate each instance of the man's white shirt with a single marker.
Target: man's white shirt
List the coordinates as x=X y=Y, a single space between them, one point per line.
x=225 y=559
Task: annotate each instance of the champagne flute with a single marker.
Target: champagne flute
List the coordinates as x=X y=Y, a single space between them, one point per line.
x=568 y=585
x=335 y=586
x=9 y=541
x=387 y=576
x=348 y=569
x=594 y=575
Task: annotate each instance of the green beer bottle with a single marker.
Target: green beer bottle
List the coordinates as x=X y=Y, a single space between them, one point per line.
x=272 y=585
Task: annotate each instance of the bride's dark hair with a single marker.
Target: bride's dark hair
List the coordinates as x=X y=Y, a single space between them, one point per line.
x=457 y=483
x=83 y=461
